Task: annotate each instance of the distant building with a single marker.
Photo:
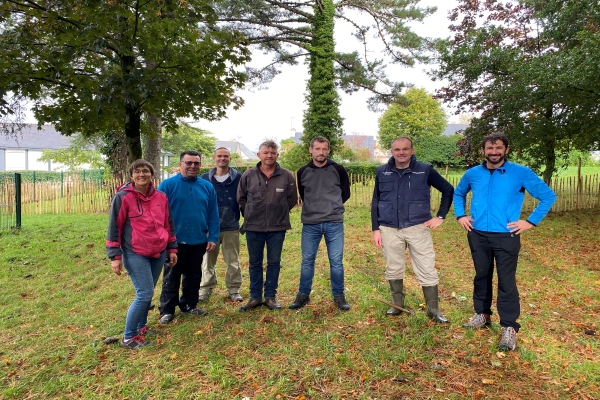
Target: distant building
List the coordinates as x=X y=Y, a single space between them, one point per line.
x=21 y=152
x=451 y=129
x=238 y=148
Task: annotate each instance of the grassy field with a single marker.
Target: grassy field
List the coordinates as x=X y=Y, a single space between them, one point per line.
x=59 y=300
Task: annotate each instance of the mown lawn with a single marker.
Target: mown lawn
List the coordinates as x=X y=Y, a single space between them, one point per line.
x=59 y=300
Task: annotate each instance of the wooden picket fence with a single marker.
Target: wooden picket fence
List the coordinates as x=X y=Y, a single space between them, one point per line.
x=75 y=195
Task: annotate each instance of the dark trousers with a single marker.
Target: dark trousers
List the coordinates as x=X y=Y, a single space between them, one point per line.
x=188 y=272
x=256 y=242
x=503 y=248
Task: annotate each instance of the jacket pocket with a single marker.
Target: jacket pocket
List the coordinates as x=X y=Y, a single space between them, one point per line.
x=418 y=211
x=386 y=213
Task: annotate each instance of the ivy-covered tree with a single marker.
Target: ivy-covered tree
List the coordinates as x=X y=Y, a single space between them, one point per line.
x=293 y=30
x=529 y=68
x=98 y=66
x=415 y=114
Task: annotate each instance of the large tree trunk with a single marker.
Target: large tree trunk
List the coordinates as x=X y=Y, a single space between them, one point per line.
x=133 y=121
x=153 y=144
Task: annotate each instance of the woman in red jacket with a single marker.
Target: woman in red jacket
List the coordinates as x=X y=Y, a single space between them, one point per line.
x=140 y=235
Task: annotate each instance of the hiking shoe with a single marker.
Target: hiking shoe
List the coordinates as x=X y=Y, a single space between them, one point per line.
x=236 y=297
x=196 y=311
x=341 y=302
x=166 y=318
x=301 y=301
x=252 y=303
x=478 y=321
x=509 y=339
x=203 y=297
x=134 y=343
x=272 y=303
x=147 y=331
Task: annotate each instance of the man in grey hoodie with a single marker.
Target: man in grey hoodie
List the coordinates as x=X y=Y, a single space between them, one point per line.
x=225 y=180
x=324 y=187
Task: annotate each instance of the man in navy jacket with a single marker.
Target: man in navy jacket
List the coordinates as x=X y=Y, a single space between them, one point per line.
x=401 y=217
x=498 y=187
x=225 y=180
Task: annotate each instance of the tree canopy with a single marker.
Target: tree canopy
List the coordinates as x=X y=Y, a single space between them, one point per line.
x=185 y=137
x=293 y=30
x=98 y=66
x=529 y=68
x=415 y=114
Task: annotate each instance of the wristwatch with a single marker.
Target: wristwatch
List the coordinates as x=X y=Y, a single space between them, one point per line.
x=440 y=217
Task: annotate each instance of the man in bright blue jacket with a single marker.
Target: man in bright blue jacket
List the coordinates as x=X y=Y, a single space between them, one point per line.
x=494 y=227
x=194 y=207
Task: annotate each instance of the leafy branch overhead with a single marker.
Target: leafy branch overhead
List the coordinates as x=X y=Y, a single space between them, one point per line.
x=99 y=66
x=286 y=30
x=529 y=68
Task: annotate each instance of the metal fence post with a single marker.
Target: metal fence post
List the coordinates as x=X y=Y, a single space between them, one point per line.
x=18 y=200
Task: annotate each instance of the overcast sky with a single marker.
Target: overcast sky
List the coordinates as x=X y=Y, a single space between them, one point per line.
x=276 y=112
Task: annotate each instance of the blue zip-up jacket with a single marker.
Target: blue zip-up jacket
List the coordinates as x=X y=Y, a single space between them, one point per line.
x=194 y=206
x=402 y=199
x=498 y=196
x=229 y=209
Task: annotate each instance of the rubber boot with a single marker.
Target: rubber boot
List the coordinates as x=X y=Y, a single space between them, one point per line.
x=431 y=299
x=397 y=289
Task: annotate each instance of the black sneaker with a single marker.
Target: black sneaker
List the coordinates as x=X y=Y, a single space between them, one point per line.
x=341 y=302
x=301 y=301
x=134 y=343
x=196 y=311
x=166 y=318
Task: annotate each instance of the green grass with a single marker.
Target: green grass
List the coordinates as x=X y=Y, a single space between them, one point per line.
x=59 y=300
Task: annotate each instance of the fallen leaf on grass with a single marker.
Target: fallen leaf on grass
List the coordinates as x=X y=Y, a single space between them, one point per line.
x=500 y=354
x=198 y=333
x=590 y=332
x=400 y=379
x=173 y=356
x=268 y=319
x=488 y=381
x=111 y=340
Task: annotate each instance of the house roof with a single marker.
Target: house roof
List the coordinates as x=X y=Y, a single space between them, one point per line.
x=32 y=138
x=451 y=129
x=236 y=147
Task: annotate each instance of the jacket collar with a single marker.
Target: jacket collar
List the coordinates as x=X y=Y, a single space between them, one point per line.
x=392 y=162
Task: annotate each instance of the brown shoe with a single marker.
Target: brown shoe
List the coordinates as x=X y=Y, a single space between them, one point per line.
x=272 y=304
x=252 y=303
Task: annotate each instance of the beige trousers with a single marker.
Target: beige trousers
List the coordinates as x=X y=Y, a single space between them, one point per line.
x=420 y=246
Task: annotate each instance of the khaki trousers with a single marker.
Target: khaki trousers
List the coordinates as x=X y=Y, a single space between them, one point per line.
x=229 y=244
x=420 y=246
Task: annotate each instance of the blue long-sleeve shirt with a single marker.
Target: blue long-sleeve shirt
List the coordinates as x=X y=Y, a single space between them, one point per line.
x=498 y=196
x=194 y=207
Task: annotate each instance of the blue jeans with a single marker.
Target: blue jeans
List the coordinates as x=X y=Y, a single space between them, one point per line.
x=256 y=242
x=334 y=240
x=144 y=273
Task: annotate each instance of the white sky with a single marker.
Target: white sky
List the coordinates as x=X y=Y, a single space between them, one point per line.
x=276 y=112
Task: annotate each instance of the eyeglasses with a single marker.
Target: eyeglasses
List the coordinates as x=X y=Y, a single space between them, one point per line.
x=142 y=172
x=190 y=163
